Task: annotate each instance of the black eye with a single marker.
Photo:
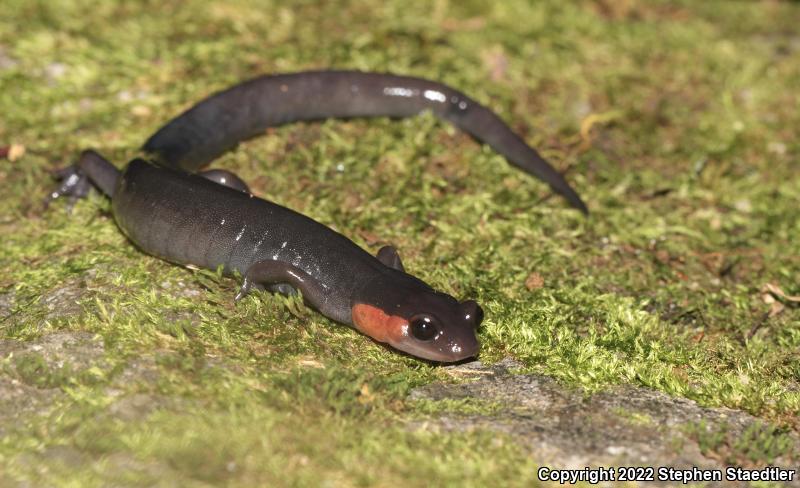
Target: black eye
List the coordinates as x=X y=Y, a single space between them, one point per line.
x=478 y=315
x=472 y=312
x=423 y=328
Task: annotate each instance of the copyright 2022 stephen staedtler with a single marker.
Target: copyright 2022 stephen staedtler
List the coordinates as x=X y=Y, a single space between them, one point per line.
x=664 y=473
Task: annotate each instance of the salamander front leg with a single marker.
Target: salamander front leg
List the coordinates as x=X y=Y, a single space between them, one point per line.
x=92 y=169
x=283 y=277
x=248 y=286
x=388 y=255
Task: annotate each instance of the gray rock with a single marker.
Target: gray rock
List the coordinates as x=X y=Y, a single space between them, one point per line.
x=22 y=393
x=7 y=303
x=33 y=374
x=565 y=428
x=63 y=301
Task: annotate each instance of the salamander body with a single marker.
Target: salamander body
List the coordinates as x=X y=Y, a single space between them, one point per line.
x=210 y=219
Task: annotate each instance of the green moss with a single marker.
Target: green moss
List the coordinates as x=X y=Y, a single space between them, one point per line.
x=34 y=370
x=462 y=406
x=31 y=368
x=689 y=169
x=757 y=445
x=637 y=418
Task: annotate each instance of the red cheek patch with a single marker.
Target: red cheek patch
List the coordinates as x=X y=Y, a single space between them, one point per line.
x=378 y=324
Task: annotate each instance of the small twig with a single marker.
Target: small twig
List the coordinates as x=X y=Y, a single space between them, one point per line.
x=458 y=370
x=757 y=326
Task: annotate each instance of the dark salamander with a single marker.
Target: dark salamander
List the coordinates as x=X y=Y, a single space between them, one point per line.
x=210 y=219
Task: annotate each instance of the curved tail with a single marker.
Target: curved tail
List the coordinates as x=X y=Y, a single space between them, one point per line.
x=222 y=120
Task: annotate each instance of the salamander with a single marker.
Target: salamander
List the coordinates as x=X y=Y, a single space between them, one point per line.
x=210 y=218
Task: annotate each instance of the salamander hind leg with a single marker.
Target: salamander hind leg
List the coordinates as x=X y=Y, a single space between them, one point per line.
x=388 y=255
x=225 y=178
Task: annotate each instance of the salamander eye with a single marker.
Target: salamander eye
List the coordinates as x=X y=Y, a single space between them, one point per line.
x=472 y=312
x=423 y=328
x=478 y=317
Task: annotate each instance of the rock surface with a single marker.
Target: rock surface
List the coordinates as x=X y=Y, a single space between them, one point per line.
x=37 y=371
x=564 y=428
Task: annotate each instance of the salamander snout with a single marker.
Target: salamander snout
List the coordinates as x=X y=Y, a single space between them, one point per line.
x=432 y=338
x=437 y=327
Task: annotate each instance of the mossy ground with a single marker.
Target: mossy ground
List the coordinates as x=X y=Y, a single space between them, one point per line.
x=678 y=123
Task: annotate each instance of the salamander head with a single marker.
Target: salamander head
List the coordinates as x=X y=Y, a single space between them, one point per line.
x=428 y=325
